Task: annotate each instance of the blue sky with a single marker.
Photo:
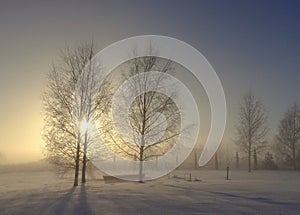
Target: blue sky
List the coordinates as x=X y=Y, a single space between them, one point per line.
x=251 y=45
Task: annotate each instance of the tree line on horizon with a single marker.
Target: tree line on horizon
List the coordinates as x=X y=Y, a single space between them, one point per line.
x=252 y=130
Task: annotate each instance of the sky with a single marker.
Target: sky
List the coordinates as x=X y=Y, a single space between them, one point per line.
x=251 y=45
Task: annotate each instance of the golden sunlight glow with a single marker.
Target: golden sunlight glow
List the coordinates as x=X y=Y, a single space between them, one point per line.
x=85 y=126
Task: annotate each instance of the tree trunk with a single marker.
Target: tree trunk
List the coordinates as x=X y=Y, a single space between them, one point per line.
x=249 y=158
x=84 y=158
x=216 y=161
x=77 y=163
x=83 y=169
x=255 y=159
x=237 y=161
x=196 y=160
x=141 y=180
x=114 y=161
x=294 y=156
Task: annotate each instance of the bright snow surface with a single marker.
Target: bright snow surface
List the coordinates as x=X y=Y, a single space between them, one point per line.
x=259 y=192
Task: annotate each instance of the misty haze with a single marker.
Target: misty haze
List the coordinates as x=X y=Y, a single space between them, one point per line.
x=145 y=108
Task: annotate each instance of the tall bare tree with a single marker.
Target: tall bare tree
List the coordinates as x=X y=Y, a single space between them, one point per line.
x=145 y=110
x=251 y=128
x=288 y=137
x=65 y=110
x=91 y=101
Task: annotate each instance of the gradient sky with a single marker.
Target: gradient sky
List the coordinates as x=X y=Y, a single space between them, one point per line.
x=251 y=45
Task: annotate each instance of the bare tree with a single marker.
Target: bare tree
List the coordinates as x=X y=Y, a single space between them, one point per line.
x=251 y=128
x=145 y=113
x=65 y=110
x=91 y=101
x=288 y=137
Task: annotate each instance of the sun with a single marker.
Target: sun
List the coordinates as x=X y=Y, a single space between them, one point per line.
x=85 y=126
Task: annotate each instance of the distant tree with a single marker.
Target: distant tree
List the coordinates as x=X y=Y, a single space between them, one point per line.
x=251 y=128
x=216 y=161
x=237 y=160
x=288 y=137
x=268 y=162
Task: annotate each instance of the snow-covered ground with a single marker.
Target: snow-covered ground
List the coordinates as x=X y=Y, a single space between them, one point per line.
x=259 y=192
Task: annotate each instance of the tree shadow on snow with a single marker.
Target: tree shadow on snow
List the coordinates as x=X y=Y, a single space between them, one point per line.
x=60 y=205
x=82 y=206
